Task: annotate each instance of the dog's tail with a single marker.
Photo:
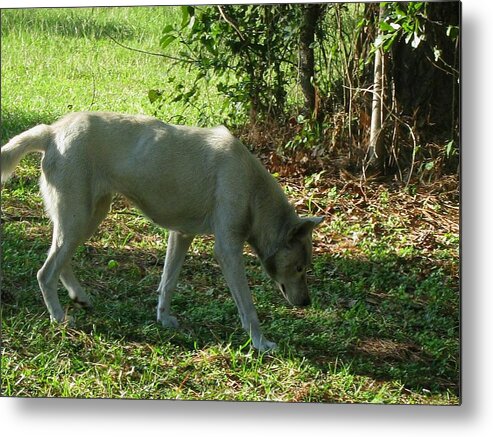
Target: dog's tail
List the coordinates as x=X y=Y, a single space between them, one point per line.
x=36 y=139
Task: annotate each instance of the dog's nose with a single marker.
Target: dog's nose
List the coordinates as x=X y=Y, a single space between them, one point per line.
x=305 y=302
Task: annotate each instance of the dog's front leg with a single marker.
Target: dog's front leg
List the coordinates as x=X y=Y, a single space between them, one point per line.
x=178 y=245
x=230 y=257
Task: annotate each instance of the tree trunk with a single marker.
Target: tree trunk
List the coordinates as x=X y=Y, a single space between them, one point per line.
x=376 y=149
x=311 y=14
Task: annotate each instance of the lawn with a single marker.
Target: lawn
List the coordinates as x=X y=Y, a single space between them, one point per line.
x=385 y=320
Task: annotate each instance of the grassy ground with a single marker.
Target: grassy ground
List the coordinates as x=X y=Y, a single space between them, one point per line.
x=384 y=324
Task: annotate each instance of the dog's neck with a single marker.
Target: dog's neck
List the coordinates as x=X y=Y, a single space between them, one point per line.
x=272 y=219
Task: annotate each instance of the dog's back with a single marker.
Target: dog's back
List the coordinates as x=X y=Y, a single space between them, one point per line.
x=174 y=174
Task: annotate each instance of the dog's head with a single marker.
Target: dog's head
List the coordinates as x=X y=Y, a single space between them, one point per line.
x=288 y=265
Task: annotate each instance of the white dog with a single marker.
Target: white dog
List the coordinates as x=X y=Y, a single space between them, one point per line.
x=189 y=180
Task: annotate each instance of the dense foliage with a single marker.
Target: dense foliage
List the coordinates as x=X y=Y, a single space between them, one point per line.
x=314 y=66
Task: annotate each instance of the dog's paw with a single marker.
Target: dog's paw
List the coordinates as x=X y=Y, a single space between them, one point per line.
x=265 y=346
x=84 y=303
x=69 y=321
x=168 y=321
x=65 y=320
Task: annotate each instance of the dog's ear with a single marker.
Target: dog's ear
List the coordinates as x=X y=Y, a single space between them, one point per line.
x=303 y=228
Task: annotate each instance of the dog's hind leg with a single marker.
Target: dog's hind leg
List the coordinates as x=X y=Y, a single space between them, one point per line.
x=66 y=238
x=178 y=245
x=74 y=220
x=75 y=290
x=70 y=282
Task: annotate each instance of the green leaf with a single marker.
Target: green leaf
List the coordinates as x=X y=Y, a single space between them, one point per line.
x=388 y=44
x=167 y=40
x=386 y=27
x=399 y=12
x=361 y=23
x=112 y=264
x=449 y=148
x=168 y=29
x=154 y=95
x=187 y=13
x=417 y=5
x=429 y=165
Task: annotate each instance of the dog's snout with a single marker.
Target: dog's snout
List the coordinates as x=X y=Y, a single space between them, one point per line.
x=305 y=302
x=302 y=301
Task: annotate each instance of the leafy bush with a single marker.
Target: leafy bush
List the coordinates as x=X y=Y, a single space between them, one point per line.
x=248 y=53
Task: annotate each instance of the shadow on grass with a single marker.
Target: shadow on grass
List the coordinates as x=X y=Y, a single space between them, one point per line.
x=390 y=318
x=394 y=318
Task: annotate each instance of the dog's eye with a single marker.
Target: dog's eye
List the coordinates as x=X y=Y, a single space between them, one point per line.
x=299 y=269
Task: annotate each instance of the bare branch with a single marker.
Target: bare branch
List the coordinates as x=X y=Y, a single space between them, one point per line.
x=162 y=55
x=230 y=22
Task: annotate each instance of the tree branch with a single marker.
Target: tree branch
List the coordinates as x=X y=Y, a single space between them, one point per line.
x=230 y=22
x=162 y=55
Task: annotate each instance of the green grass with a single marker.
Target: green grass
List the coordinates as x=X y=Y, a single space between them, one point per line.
x=384 y=324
